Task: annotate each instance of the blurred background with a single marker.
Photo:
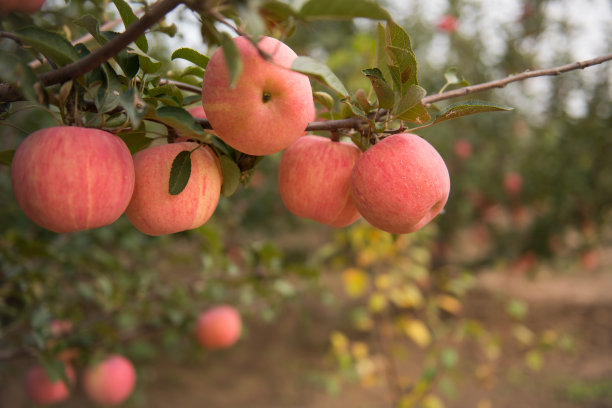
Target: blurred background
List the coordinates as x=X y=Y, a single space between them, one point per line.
x=503 y=300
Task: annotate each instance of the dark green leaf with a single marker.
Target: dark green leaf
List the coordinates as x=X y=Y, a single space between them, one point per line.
x=91 y=24
x=15 y=71
x=384 y=93
x=180 y=120
x=466 y=108
x=233 y=60
x=6 y=157
x=342 y=9
x=231 y=176
x=52 y=45
x=191 y=70
x=191 y=56
x=180 y=172
x=321 y=72
x=134 y=106
x=128 y=62
x=148 y=64
x=168 y=89
x=128 y=17
x=135 y=140
x=109 y=94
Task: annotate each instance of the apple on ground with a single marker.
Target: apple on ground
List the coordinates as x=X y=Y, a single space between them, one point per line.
x=69 y=178
x=111 y=381
x=268 y=107
x=218 y=327
x=400 y=184
x=153 y=210
x=20 y=6
x=42 y=390
x=313 y=180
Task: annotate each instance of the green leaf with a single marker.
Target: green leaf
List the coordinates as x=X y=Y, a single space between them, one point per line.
x=6 y=157
x=233 y=60
x=342 y=9
x=170 y=90
x=180 y=120
x=108 y=96
x=406 y=64
x=192 y=70
x=180 y=172
x=52 y=45
x=128 y=17
x=320 y=72
x=128 y=62
x=413 y=96
x=466 y=108
x=134 y=106
x=191 y=56
x=382 y=58
x=396 y=36
x=15 y=71
x=148 y=64
x=384 y=93
x=135 y=140
x=91 y=24
x=231 y=176
x=324 y=99
x=453 y=78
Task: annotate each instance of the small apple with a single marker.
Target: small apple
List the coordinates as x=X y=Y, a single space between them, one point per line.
x=513 y=183
x=268 y=108
x=42 y=390
x=71 y=178
x=153 y=210
x=218 y=327
x=20 y=6
x=313 y=180
x=463 y=149
x=400 y=184
x=111 y=381
x=447 y=24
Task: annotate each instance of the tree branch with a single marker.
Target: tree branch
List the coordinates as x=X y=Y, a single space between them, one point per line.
x=10 y=93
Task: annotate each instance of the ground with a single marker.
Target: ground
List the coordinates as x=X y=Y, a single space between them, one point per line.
x=283 y=364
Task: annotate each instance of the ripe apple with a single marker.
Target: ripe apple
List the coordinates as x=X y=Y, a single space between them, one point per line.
x=218 y=327
x=268 y=108
x=513 y=183
x=110 y=382
x=447 y=24
x=313 y=179
x=153 y=210
x=20 y=6
x=71 y=178
x=42 y=390
x=400 y=184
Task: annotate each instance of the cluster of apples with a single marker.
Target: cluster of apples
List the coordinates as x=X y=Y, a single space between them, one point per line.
x=108 y=383
x=69 y=178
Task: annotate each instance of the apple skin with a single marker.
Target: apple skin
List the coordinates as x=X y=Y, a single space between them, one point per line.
x=153 y=210
x=22 y=6
x=111 y=381
x=243 y=116
x=42 y=391
x=71 y=179
x=400 y=184
x=218 y=327
x=313 y=180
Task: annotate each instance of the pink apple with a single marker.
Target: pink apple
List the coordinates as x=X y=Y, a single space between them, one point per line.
x=20 y=6
x=153 y=210
x=268 y=108
x=42 y=390
x=400 y=184
x=447 y=24
x=71 y=178
x=313 y=179
x=218 y=327
x=513 y=183
x=463 y=149
x=110 y=382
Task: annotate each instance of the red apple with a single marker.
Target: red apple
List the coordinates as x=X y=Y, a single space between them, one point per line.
x=20 y=6
x=513 y=183
x=71 y=178
x=268 y=108
x=153 y=210
x=218 y=327
x=400 y=184
x=463 y=149
x=110 y=382
x=42 y=390
x=313 y=179
x=447 y=24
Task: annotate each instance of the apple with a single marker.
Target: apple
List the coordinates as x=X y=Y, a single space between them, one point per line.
x=463 y=149
x=447 y=24
x=42 y=390
x=313 y=180
x=72 y=178
x=400 y=184
x=153 y=210
x=513 y=183
x=218 y=327
x=111 y=381
x=268 y=108
x=20 y=6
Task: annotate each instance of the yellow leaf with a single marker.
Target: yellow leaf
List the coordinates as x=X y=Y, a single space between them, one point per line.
x=417 y=331
x=449 y=304
x=383 y=281
x=406 y=297
x=359 y=350
x=339 y=341
x=355 y=281
x=377 y=302
x=432 y=401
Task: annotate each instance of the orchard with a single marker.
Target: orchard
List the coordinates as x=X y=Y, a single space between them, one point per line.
x=183 y=180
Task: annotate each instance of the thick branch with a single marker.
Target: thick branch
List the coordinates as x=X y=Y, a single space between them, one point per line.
x=74 y=70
